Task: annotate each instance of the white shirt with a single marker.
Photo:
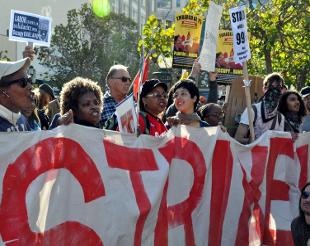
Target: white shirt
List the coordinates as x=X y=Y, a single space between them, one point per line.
x=260 y=127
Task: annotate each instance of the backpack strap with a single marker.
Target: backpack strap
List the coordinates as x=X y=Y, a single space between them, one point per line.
x=278 y=118
x=146 y=123
x=255 y=113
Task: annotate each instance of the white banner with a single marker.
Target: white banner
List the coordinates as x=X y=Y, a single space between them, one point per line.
x=208 y=52
x=195 y=186
x=238 y=22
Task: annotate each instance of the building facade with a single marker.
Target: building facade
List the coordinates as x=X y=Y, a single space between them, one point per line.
x=137 y=10
x=167 y=9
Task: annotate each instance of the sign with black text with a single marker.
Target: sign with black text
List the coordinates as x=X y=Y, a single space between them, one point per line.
x=28 y=27
x=238 y=21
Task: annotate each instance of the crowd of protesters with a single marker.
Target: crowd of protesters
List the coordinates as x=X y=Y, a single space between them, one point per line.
x=82 y=102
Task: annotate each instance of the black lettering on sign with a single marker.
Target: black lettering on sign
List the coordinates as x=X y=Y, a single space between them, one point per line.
x=238 y=16
x=240 y=38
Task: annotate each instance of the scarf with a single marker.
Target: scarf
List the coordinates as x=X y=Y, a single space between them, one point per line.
x=293 y=121
x=184 y=119
x=270 y=103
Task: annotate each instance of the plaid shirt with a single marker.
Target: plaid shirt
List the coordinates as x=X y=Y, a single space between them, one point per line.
x=109 y=107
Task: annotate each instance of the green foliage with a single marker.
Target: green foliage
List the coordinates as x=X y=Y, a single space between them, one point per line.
x=157 y=38
x=196 y=7
x=88 y=45
x=280 y=32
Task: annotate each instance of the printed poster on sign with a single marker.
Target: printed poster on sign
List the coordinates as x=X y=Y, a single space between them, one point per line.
x=126 y=115
x=224 y=62
x=186 y=40
x=28 y=27
x=240 y=38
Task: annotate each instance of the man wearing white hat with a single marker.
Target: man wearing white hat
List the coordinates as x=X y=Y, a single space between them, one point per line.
x=15 y=94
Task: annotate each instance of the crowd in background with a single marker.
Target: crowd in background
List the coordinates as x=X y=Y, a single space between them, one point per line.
x=83 y=102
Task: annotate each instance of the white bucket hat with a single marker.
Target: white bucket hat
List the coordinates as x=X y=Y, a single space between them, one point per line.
x=7 y=68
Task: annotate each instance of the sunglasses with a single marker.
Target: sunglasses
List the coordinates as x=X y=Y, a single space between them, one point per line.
x=305 y=194
x=158 y=95
x=123 y=79
x=217 y=115
x=23 y=82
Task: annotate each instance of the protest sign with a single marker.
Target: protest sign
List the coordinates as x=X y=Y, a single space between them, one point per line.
x=224 y=55
x=238 y=22
x=126 y=115
x=28 y=27
x=77 y=185
x=208 y=52
x=186 y=40
x=242 y=54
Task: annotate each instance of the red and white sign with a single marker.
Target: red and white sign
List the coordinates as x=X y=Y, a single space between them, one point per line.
x=82 y=186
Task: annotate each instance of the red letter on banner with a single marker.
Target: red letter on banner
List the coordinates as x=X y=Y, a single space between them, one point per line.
x=221 y=180
x=53 y=153
x=276 y=190
x=302 y=153
x=180 y=214
x=252 y=195
x=134 y=160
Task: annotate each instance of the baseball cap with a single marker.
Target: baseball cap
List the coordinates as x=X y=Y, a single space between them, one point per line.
x=305 y=91
x=7 y=68
x=149 y=85
x=47 y=89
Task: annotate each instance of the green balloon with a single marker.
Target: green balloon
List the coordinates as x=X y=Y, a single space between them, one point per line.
x=101 y=8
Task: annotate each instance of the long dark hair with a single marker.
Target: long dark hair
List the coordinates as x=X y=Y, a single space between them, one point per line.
x=283 y=108
x=301 y=213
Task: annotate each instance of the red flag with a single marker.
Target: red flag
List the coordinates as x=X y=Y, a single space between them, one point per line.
x=143 y=72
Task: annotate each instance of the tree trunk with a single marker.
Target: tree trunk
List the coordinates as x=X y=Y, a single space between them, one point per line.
x=268 y=62
x=301 y=78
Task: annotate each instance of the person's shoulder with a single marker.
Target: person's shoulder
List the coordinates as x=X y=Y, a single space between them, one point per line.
x=204 y=123
x=298 y=221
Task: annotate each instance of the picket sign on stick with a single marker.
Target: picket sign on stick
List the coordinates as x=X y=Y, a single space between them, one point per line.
x=30 y=44
x=247 y=85
x=242 y=54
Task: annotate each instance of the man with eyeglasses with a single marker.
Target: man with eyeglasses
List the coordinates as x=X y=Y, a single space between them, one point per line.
x=15 y=94
x=266 y=115
x=118 y=82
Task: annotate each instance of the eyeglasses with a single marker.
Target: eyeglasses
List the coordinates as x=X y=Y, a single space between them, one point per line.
x=23 y=82
x=218 y=115
x=182 y=94
x=123 y=79
x=305 y=194
x=157 y=95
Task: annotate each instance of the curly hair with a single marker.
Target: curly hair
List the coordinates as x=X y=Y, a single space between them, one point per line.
x=189 y=85
x=74 y=89
x=283 y=108
x=270 y=78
